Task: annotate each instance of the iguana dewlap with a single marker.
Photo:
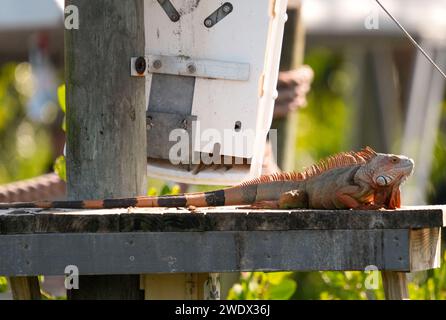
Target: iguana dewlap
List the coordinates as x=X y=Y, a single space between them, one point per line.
x=357 y=180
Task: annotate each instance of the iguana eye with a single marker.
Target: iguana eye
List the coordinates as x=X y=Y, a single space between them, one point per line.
x=381 y=181
x=394 y=160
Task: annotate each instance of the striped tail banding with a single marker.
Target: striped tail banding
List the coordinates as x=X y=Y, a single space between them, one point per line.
x=238 y=195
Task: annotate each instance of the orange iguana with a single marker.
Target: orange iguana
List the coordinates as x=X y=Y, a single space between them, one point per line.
x=357 y=180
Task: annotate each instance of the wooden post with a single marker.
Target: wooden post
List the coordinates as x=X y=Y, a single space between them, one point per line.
x=25 y=288
x=106 y=132
x=395 y=285
x=425 y=254
x=177 y=286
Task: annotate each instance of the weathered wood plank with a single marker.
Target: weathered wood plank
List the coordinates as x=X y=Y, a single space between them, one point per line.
x=215 y=219
x=223 y=251
x=425 y=251
x=17 y=221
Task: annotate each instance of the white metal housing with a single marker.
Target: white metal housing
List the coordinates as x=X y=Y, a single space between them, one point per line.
x=250 y=36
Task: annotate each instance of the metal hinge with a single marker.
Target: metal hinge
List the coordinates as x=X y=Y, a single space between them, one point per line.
x=185 y=66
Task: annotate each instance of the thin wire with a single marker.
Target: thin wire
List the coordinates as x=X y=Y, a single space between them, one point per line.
x=412 y=39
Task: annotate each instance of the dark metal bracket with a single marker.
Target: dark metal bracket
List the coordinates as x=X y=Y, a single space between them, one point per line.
x=170 y=10
x=218 y=15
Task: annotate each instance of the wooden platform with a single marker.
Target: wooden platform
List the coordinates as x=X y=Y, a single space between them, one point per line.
x=225 y=239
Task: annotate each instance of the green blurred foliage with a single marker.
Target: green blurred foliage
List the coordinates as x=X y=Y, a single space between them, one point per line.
x=3 y=284
x=25 y=145
x=61 y=99
x=158 y=187
x=263 y=286
x=429 y=285
x=332 y=285
x=60 y=166
x=437 y=181
x=324 y=124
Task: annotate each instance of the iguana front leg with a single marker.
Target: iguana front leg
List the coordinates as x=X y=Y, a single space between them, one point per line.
x=355 y=197
x=385 y=197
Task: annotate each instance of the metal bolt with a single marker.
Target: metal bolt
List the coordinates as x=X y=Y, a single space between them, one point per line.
x=157 y=64
x=140 y=65
x=227 y=7
x=191 y=68
x=208 y=23
x=174 y=17
x=149 y=123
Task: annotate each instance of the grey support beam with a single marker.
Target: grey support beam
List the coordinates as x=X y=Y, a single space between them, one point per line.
x=160 y=240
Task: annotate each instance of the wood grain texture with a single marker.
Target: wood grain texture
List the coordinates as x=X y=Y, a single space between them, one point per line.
x=25 y=288
x=200 y=252
x=106 y=132
x=213 y=219
x=425 y=251
x=106 y=123
x=159 y=240
x=395 y=285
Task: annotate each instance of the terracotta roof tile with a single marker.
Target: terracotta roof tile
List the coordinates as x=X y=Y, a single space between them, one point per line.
x=48 y=186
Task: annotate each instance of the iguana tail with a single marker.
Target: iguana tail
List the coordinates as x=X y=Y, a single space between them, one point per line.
x=244 y=194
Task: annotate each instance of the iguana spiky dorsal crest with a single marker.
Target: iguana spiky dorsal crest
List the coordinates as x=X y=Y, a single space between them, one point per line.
x=342 y=159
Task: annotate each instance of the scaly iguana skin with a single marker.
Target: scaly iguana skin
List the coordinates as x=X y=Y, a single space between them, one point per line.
x=349 y=180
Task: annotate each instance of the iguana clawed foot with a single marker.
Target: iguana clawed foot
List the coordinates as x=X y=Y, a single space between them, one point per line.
x=263 y=205
x=370 y=206
x=293 y=199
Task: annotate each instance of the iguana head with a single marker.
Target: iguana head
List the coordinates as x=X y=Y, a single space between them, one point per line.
x=387 y=170
x=385 y=173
